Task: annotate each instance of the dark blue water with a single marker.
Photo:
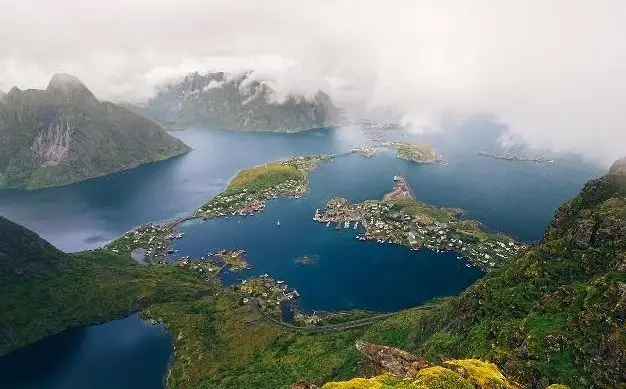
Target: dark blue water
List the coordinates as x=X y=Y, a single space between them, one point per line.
x=348 y=273
x=126 y=353
x=516 y=198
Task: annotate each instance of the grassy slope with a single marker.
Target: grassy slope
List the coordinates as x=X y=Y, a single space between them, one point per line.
x=92 y=287
x=554 y=315
x=263 y=177
x=221 y=343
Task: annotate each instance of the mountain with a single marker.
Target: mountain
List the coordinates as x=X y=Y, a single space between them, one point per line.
x=44 y=291
x=23 y=254
x=555 y=314
x=65 y=134
x=222 y=101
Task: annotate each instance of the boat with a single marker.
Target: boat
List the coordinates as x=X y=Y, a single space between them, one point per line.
x=278 y=223
x=328 y=224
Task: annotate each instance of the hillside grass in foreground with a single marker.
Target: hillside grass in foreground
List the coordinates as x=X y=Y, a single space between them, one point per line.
x=94 y=286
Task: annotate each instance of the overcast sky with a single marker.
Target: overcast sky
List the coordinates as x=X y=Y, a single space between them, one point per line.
x=553 y=71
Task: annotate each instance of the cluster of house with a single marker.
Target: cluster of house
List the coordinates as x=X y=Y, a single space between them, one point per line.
x=245 y=202
x=268 y=292
x=385 y=224
x=154 y=238
x=234 y=259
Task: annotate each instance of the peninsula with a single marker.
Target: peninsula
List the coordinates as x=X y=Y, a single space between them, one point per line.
x=250 y=188
x=401 y=219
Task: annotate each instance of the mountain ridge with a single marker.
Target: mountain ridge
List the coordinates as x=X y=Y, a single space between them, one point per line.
x=64 y=134
x=237 y=102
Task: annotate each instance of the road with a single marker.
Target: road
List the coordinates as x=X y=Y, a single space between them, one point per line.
x=332 y=327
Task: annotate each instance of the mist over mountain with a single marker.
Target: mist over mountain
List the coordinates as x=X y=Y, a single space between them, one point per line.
x=65 y=134
x=237 y=102
x=558 y=84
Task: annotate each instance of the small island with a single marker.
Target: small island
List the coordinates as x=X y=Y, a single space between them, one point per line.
x=514 y=157
x=414 y=152
x=235 y=260
x=306 y=260
x=401 y=219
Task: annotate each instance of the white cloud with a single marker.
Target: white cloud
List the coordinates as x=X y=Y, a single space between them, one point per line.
x=550 y=70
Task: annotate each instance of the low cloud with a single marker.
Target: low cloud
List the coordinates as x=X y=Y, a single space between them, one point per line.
x=552 y=72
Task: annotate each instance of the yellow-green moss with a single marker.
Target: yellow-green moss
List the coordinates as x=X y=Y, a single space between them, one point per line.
x=484 y=375
x=438 y=377
x=381 y=382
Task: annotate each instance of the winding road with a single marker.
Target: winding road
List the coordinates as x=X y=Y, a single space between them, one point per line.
x=331 y=327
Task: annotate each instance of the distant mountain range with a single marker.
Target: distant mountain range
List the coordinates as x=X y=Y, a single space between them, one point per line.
x=237 y=102
x=65 y=134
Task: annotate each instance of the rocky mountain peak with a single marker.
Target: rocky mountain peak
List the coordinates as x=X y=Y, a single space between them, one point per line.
x=69 y=86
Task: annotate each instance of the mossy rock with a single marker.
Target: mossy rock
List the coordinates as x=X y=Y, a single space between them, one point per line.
x=380 y=382
x=438 y=377
x=481 y=374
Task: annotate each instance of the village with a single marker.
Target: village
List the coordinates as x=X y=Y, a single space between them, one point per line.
x=251 y=188
x=234 y=260
x=154 y=240
x=400 y=219
x=267 y=293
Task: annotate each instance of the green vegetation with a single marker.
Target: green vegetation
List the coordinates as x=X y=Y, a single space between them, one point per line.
x=64 y=134
x=93 y=287
x=457 y=374
x=222 y=343
x=261 y=178
x=555 y=314
x=237 y=102
x=248 y=190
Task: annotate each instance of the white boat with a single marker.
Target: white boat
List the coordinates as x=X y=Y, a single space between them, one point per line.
x=278 y=223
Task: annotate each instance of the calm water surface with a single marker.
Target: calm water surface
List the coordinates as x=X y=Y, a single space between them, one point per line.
x=126 y=353
x=516 y=198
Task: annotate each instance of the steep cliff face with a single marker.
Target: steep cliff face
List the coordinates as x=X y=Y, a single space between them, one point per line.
x=221 y=101
x=64 y=134
x=556 y=314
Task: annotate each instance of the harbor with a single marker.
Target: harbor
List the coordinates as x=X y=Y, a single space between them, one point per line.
x=400 y=219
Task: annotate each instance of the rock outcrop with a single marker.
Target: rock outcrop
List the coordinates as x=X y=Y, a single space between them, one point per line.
x=391 y=360
x=402 y=370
